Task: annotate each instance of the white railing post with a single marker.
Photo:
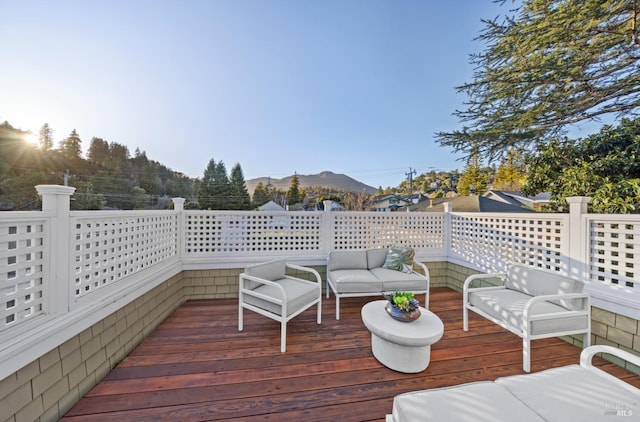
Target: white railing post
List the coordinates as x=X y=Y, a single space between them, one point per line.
x=56 y=199
x=447 y=231
x=178 y=206
x=326 y=228
x=578 y=237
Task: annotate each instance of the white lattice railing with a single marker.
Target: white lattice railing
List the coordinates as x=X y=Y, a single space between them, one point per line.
x=107 y=247
x=362 y=230
x=247 y=233
x=490 y=241
x=614 y=250
x=22 y=268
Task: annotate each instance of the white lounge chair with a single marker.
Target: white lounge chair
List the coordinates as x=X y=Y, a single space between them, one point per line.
x=267 y=290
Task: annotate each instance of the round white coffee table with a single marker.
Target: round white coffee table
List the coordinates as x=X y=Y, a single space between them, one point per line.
x=401 y=346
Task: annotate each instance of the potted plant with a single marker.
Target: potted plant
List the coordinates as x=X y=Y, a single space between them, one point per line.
x=403 y=306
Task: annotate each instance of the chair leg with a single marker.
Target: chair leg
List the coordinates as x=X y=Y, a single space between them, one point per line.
x=337 y=307
x=319 y=320
x=586 y=341
x=465 y=318
x=283 y=337
x=240 y=318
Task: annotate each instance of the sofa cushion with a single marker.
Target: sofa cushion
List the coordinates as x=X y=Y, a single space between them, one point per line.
x=399 y=257
x=376 y=257
x=475 y=402
x=574 y=393
x=348 y=260
x=508 y=305
x=398 y=281
x=538 y=282
x=354 y=281
x=299 y=295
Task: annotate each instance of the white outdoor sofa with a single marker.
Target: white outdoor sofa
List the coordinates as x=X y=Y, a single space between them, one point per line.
x=363 y=273
x=532 y=303
x=570 y=393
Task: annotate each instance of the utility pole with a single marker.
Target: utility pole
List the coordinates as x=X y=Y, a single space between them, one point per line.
x=410 y=179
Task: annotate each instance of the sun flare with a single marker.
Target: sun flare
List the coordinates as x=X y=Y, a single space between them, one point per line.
x=31 y=139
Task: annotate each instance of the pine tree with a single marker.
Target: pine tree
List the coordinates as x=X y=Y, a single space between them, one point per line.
x=293 y=194
x=261 y=195
x=239 y=195
x=71 y=146
x=45 y=137
x=206 y=189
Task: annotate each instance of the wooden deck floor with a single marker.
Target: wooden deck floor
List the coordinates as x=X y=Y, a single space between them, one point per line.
x=197 y=367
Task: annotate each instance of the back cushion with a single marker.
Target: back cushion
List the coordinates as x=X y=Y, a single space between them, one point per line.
x=538 y=282
x=272 y=270
x=376 y=257
x=348 y=260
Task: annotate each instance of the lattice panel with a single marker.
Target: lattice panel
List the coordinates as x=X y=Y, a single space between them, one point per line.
x=615 y=253
x=22 y=264
x=223 y=232
x=356 y=230
x=105 y=250
x=492 y=242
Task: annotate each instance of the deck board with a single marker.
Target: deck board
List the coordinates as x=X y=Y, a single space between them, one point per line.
x=197 y=366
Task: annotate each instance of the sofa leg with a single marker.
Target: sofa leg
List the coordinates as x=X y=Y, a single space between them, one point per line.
x=337 y=307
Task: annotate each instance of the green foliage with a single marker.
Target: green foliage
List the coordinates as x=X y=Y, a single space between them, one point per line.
x=604 y=166
x=512 y=171
x=293 y=194
x=405 y=301
x=549 y=64
x=45 y=137
x=474 y=179
x=108 y=177
x=260 y=195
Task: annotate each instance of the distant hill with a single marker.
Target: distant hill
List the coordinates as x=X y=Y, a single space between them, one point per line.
x=340 y=182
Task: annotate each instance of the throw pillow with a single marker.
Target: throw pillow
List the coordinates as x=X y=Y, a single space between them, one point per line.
x=399 y=258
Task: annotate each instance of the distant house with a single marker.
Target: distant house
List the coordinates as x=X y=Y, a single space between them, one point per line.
x=469 y=204
x=536 y=202
x=270 y=206
x=389 y=203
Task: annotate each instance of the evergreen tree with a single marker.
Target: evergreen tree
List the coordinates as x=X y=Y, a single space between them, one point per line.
x=260 y=195
x=45 y=137
x=293 y=194
x=206 y=191
x=549 y=64
x=511 y=173
x=473 y=181
x=71 y=146
x=98 y=152
x=222 y=187
x=239 y=195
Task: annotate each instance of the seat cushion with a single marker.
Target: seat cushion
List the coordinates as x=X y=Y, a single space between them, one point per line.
x=398 y=281
x=347 y=260
x=475 y=402
x=574 y=393
x=537 y=282
x=354 y=281
x=508 y=305
x=299 y=295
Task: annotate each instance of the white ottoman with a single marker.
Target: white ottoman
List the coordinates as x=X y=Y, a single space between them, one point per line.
x=401 y=346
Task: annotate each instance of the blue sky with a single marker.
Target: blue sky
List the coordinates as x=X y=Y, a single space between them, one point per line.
x=280 y=86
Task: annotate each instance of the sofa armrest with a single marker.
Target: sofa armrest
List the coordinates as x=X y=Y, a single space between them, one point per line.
x=424 y=268
x=474 y=277
x=584 y=309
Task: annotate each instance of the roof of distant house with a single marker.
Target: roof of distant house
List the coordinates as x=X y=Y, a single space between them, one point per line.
x=469 y=204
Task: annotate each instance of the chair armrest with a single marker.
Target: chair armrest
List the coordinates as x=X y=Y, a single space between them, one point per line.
x=307 y=270
x=474 y=277
x=587 y=355
x=251 y=292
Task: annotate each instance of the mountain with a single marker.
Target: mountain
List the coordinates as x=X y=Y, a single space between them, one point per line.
x=339 y=182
